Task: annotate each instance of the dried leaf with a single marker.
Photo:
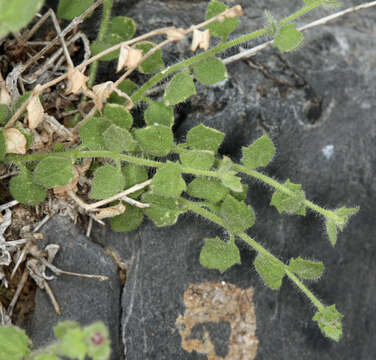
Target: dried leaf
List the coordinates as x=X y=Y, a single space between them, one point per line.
x=102 y=92
x=110 y=211
x=234 y=12
x=15 y=141
x=35 y=112
x=77 y=80
x=175 y=34
x=52 y=250
x=200 y=39
x=62 y=191
x=4 y=95
x=129 y=57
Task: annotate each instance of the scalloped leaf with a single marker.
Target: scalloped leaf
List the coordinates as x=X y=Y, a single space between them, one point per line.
x=126 y=86
x=68 y=9
x=14 y=344
x=330 y=322
x=73 y=344
x=134 y=175
x=207 y=188
x=154 y=63
x=197 y=159
x=110 y=40
x=236 y=215
x=270 y=270
x=159 y=113
x=291 y=204
x=259 y=153
x=130 y=220
x=209 y=71
x=23 y=189
x=91 y=133
x=53 y=171
x=118 y=115
x=180 y=88
x=306 y=269
x=97 y=341
x=168 y=181
x=2 y=145
x=107 y=181
x=217 y=28
x=288 y=38
x=123 y=26
x=163 y=211
x=118 y=140
x=202 y=137
x=217 y=254
x=156 y=140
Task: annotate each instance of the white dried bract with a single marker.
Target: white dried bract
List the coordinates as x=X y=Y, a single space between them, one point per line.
x=234 y=12
x=15 y=141
x=76 y=80
x=200 y=39
x=110 y=211
x=4 y=95
x=35 y=112
x=175 y=34
x=101 y=93
x=128 y=58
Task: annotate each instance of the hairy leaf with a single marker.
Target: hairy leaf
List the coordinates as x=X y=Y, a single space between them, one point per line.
x=127 y=221
x=73 y=344
x=202 y=137
x=258 y=153
x=2 y=145
x=118 y=140
x=107 y=181
x=344 y=214
x=330 y=322
x=180 y=88
x=53 y=171
x=156 y=140
x=209 y=71
x=291 y=204
x=123 y=26
x=331 y=230
x=217 y=254
x=134 y=175
x=118 y=116
x=217 y=28
x=270 y=270
x=159 y=113
x=91 y=133
x=288 y=38
x=168 y=181
x=5 y=114
x=197 y=159
x=14 y=344
x=208 y=189
x=68 y=9
x=97 y=341
x=242 y=195
x=110 y=40
x=154 y=63
x=46 y=357
x=306 y=269
x=231 y=181
x=63 y=327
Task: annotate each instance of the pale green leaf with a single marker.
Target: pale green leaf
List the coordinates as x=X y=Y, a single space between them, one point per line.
x=159 y=113
x=123 y=26
x=118 y=115
x=259 y=153
x=306 y=269
x=63 y=327
x=207 y=188
x=290 y=203
x=331 y=230
x=154 y=63
x=69 y=9
x=217 y=254
x=2 y=145
x=91 y=133
x=73 y=344
x=156 y=140
x=197 y=159
x=53 y=171
x=180 y=88
x=202 y=137
x=14 y=344
x=97 y=341
x=127 y=221
x=217 y=28
x=118 y=140
x=288 y=38
x=330 y=322
x=270 y=270
x=168 y=181
x=209 y=71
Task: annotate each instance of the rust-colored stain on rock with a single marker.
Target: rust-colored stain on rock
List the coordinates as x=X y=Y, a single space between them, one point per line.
x=219 y=302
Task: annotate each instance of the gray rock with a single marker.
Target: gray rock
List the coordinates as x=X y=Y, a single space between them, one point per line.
x=80 y=299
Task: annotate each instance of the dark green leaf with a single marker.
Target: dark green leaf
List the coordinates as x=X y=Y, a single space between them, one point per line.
x=232 y=182
x=18 y=103
x=197 y=159
x=127 y=221
x=288 y=38
x=27 y=134
x=330 y=322
x=123 y=26
x=118 y=115
x=290 y=203
x=156 y=140
x=236 y=215
x=46 y=357
x=5 y=114
x=217 y=28
x=91 y=133
x=117 y=139
x=270 y=270
x=217 y=254
x=168 y=181
x=2 y=145
x=258 y=153
x=69 y=9
x=128 y=87
x=209 y=71
x=159 y=113
x=208 y=189
x=344 y=214
x=154 y=63
x=306 y=269
x=202 y=137
x=180 y=88
x=14 y=344
x=53 y=171
x=134 y=175
x=107 y=181
x=110 y=40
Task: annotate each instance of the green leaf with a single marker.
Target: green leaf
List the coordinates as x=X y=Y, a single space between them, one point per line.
x=134 y=175
x=217 y=28
x=272 y=26
x=5 y=114
x=73 y=344
x=228 y=177
x=288 y=38
x=118 y=115
x=110 y=40
x=330 y=322
x=258 y=153
x=159 y=113
x=326 y=3
x=270 y=270
x=127 y=221
x=107 y=181
x=53 y=171
x=209 y=71
x=217 y=254
x=69 y=9
x=16 y=14
x=202 y=137
x=91 y=133
x=306 y=269
x=27 y=134
x=18 y=103
x=197 y=159
x=46 y=357
x=168 y=181
x=63 y=327
x=154 y=63
x=207 y=188
x=291 y=204
x=2 y=145
x=242 y=195
x=118 y=140
x=236 y=215
x=14 y=344
x=163 y=211
x=156 y=140
x=331 y=230
x=23 y=189
x=126 y=86
x=344 y=214
x=180 y=88
x=97 y=341
x=123 y=26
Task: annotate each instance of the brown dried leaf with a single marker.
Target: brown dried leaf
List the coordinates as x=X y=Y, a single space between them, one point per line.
x=101 y=93
x=35 y=112
x=15 y=141
x=62 y=191
x=175 y=34
x=77 y=80
x=110 y=211
x=129 y=58
x=200 y=39
x=234 y=11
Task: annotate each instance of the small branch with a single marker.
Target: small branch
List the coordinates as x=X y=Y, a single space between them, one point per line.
x=16 y=295
x=52 y=297
x=9 y=205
